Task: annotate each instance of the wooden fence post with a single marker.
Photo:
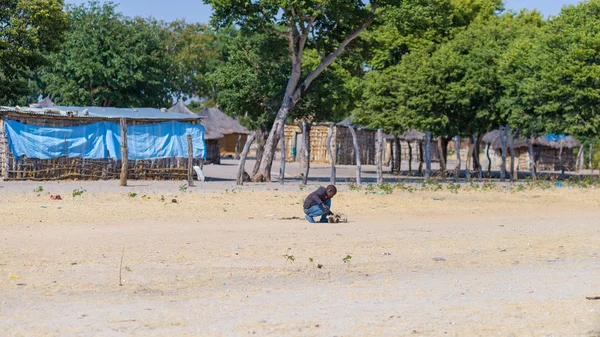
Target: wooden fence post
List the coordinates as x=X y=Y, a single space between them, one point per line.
x=306 y=139
x=427 y=155
x=398 y=156
x=513 y=177
x=591 y=159
x=531 y=158
x=504 y=131
x=5 y=166
x=330 y=153
x=379 y=156
x=124 y=152
x=238 y=143
x=356 y=153
x=283 y=154
x=457 y=150
x=242 y=163
x=190 y=163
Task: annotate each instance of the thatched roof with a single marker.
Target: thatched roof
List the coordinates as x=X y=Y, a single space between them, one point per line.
x=181 y=108
x=494 y=138
x=46 y=103
x=217 y=124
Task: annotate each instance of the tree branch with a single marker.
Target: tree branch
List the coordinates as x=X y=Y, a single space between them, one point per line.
x=329 y=60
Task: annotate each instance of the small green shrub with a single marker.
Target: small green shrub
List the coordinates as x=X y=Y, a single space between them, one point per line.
x=78 y=192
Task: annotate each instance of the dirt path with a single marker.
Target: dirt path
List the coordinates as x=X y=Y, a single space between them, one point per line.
x=213 y=264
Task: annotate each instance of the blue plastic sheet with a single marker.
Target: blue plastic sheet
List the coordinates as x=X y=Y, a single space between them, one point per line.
x=101 y=140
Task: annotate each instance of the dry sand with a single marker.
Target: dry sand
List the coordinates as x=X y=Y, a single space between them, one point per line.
x=213 y=263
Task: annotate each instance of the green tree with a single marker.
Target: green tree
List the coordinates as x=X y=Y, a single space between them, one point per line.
x=327 y=26
x=554 y=78
x=29 y=30
x=110 y=60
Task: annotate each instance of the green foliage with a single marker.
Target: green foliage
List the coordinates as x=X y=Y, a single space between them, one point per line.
x=489 y=186
x=29 y=31
x=354 y=187
x=38 y=189
x=78 y=192
x=183 y=188
x=453 y=187
x=386 y=188
x=431 y=185
x=132 y=194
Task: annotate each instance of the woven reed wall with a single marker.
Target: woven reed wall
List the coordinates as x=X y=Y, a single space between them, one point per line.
x=548 y=159
x=290 y=133
x=228 y=143
x=367 y=140
x=86 y=169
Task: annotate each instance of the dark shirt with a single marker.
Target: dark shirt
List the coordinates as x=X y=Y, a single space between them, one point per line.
x=316 y=198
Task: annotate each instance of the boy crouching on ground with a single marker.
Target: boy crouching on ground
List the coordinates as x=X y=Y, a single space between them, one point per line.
x=318 y=203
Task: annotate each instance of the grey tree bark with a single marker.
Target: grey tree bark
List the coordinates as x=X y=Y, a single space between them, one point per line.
x=427 y=155
x=356 y=153
x=330 y=153
x=244 y=155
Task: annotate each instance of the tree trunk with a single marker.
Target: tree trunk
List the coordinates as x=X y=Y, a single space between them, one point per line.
x=330 y=153
x=504 y=131
x=261 y=137
x=476 y=162
x=580 y=159
x=560 y=161
x=379 y=156
x=283 y=154
x=487 y=155
x=238 y=144
x=469 y=157
x=457 y=150
x=242 y=163
x=531 y=158
x=124 y=152
x=427 y=155
x=513 y=174
x=591 y=158
x=356 y=153
x=440 y=147
x=263 y=173
x=398 y=156
x=306 y=138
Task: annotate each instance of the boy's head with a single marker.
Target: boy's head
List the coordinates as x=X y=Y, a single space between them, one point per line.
x=331 y=191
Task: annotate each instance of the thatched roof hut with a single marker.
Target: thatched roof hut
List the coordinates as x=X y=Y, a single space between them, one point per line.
x=228 y=134
x=552 y=152
x=181 y=108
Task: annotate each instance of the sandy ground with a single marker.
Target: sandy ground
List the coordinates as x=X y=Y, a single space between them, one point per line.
x=212 y=264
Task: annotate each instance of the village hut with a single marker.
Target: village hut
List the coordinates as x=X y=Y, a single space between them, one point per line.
x=341 y=143
x=45 y=103
x=551 y=152
x=84 y=143
x=411 y=144
x=224 y=133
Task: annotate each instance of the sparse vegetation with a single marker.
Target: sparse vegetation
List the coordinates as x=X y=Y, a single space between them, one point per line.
x=184 y=187
x=132 y=194
x=38 y=189
x=78 y=192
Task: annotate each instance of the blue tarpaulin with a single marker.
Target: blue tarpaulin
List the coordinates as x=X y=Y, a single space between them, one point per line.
x=101 y=140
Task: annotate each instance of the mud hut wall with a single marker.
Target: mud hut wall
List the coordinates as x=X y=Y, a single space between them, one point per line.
x=228 y=144
x=87 y=169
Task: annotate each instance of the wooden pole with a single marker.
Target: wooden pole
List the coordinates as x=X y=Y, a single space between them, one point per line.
x=398 y=157
x=124 y=153
x=356 y=153
x=190 y=162
x=440 y=147
x=242 y=163
x=427 y=155
x=469 y=158
x=457 y=150
x=531 y=158
x=410 y=158
x=283 y=154
x=560 y=162
x=513 y=177
x=379 y=156
x=591 y=158
x=306 y=138
x=330 y=153
x=504 y=131
x=5 y=165
x=238 y=143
